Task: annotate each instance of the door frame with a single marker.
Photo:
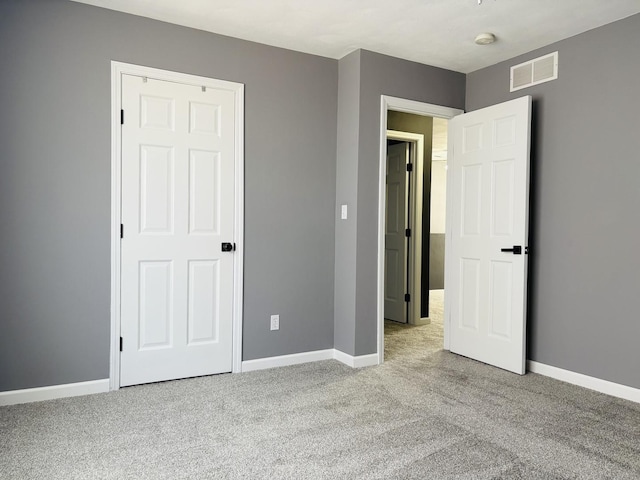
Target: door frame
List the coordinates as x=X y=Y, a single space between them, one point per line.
x=117 y=70
x=414 y=254
x=417 y=108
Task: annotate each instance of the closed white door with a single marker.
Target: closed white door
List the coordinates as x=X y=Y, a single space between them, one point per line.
x=487 y=276
x=395 y=240
x=177 y=209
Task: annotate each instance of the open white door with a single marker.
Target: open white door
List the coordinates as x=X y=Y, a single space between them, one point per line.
x=488 y=215
x=395 y=240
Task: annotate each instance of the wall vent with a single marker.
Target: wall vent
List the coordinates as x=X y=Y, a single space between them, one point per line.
x=539 y=70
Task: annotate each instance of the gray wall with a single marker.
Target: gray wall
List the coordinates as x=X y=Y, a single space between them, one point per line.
x=55 y=184
x=346 y=194
x=378 y=74
x=436 y=262
x=584 y=266
x=408 y=122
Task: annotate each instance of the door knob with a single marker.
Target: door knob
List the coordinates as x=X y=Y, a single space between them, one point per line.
x=516 y=250
x=228 y=247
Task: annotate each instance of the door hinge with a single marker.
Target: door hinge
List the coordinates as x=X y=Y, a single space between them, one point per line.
x=409 y=167
x=120 y=343
x=121 y=117
x=407 y=232
x=121 y=230
x=407 y=297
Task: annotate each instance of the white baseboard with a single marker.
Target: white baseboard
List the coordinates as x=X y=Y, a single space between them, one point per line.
x=28 y=395
x=285 y=360
x=100 y=386
x=592 y=383
x=356 y=362
x=422 y=321
x=305 y=357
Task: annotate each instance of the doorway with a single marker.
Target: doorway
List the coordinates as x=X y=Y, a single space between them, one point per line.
x=397 y=261
x=403 y=226
x=414 y=234
x=419 y=281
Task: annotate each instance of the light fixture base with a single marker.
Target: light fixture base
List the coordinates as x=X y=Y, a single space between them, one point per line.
x=485 y=38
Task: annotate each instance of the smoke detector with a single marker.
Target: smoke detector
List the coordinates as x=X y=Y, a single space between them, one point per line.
x=485 y=38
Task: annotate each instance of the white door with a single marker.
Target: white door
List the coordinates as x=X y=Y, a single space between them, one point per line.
x=489 y=214
x=395 y=240
x=177 y=209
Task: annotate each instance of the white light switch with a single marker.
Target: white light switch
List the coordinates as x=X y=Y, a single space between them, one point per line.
x=343 y=212
x=275 y=322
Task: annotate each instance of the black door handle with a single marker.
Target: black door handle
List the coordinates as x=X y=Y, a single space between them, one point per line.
x=517 y=250
x=228 y=247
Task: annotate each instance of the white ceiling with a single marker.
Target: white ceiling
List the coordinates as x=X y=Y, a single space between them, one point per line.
x=433 y=32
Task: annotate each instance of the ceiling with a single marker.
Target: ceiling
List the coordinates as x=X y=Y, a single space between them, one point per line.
x=434 y=32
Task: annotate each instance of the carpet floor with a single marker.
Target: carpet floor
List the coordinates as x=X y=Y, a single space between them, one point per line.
x=424 y=414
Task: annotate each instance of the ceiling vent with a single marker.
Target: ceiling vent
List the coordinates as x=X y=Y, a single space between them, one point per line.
x=533 y=72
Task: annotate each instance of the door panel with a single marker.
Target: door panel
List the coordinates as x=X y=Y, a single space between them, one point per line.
x=178 y=154
x=472 y=200
x=501 y=292
x=204 y=278
x=470 y=294
x=156 y=189
x=156 y=314
x=204 y=192
x=490 y=196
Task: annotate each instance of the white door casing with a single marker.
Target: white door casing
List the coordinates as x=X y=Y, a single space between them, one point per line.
x=489 y=202
x=395 y=307
x=416 y=188
x=180 y=296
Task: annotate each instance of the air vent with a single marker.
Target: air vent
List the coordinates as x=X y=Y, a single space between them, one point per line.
x=533 y=72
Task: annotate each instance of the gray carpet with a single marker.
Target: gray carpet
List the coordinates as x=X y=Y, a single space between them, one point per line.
x=408 y=341
x=425 y=415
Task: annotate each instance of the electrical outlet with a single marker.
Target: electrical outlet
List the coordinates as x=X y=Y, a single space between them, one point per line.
x=275 y=322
